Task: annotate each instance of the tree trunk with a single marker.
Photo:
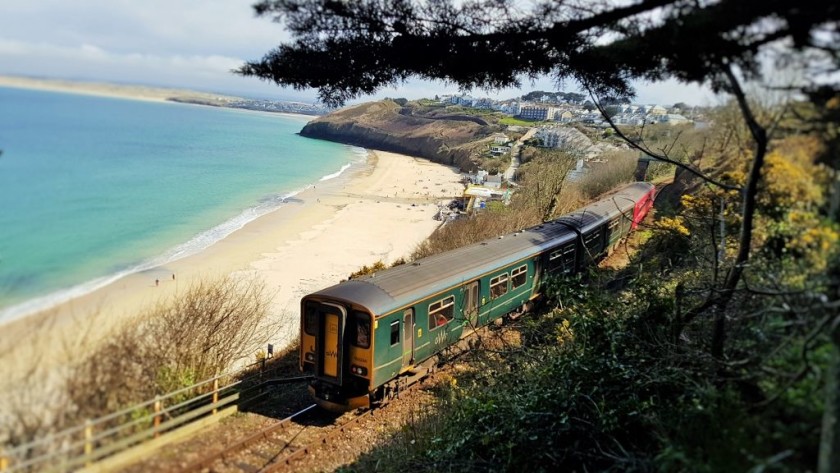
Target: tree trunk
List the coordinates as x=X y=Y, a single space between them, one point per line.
x=759 y=134
x=829 y=461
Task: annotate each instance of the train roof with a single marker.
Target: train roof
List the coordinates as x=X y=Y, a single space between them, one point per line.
x=396 y=287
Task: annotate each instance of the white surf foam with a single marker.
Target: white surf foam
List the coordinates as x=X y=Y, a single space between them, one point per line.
x=196 y=244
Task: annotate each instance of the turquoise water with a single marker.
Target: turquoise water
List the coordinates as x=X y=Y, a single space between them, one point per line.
x=93 y=188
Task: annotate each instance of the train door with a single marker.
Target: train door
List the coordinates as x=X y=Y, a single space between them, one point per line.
x=332 y=323
x=408 y=337
x=471 y=304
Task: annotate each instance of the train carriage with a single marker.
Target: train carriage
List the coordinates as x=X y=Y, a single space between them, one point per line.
x=362 y=337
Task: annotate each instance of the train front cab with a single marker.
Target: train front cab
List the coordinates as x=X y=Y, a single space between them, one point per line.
x=337 y=349
x=642 y=207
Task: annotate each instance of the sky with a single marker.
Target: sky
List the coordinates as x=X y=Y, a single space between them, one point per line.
x=194 y=44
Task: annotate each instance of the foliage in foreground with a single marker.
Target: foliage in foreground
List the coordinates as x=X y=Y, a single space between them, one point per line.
x=603 y=385
x=621 y=375
x=179 y=342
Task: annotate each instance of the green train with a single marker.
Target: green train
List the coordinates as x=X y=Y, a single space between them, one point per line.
x=365 y=338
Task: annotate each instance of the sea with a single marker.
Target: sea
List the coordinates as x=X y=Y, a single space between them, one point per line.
x=95 y=188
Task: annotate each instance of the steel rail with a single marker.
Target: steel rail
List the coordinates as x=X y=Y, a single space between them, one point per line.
x=325 y=439
x=208 y=460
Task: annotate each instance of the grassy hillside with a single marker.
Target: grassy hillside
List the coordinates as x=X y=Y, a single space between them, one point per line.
x=441 y=134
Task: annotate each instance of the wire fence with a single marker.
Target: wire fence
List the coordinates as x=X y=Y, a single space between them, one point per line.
x=84 y=445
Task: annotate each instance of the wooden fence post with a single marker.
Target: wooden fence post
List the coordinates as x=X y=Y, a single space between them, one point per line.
x=215 y=394
x=157 y=415
x=88 y=441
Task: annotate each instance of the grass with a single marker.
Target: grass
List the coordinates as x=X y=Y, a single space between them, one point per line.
x=520 y=122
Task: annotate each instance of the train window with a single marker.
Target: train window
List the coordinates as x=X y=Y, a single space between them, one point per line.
x=362 y=330
x=555 y=260
x=395 y=332
x=310 y=319
x=569 y=257
x=518 y=277
x=562 y=259
x=498 y=286
x=593 y=242
x=441 y=312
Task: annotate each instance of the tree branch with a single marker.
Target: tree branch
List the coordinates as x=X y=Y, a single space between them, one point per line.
x=659 y=157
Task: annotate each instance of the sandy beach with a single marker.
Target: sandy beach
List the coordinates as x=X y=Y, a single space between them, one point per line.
x=103 y=89
x=376 y=211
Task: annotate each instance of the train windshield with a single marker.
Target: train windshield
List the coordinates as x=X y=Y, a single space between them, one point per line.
x=310 y=319
x=360 y=330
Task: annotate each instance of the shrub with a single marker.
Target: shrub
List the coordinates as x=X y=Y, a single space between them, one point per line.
x=192 y=337
x=602 y=178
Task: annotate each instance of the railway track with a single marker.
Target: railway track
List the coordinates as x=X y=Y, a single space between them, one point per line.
x=285 y=444
x=280 y=445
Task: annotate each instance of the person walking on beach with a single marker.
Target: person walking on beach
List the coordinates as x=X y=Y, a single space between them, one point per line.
x=157 y=282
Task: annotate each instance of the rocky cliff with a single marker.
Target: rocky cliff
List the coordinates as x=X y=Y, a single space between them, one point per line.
x=387 y=126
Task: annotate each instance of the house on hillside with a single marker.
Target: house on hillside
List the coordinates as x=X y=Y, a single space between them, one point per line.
x=632 y=119
x=592 y=118
x=511 y=107
x=478 y=178
x=673 y=119
x=464 y=100
x=563 y=137
x=655 y=110
x=500 y=138
x=498 y=150
x=565 y=116
x=485 y=103
x=493 y=181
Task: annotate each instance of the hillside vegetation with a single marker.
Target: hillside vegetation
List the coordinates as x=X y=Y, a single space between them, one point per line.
x=449 y=135
x=619 y=370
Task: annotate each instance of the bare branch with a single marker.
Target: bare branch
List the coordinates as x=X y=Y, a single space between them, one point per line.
x=645 y=150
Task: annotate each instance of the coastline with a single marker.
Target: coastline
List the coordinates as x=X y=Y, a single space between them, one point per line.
x=101 y=89
x=138 y=92
x=379 y=210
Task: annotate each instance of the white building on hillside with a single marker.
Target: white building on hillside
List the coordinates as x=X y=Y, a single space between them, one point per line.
x=500 y=138
x=537 y=112
x=563 y=137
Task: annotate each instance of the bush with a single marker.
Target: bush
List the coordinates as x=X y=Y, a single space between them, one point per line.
x=192 y=337
x=606 y=385
x=480 y=226
x=618 y=169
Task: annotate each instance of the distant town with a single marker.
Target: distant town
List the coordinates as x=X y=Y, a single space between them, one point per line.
x=255 y=104
x=537 y=106
x=569 y=107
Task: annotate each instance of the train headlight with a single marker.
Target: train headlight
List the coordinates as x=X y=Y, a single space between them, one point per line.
x=359 y=370
x=309 y=357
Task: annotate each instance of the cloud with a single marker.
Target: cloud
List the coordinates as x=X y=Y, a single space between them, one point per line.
x=188 y=44
x=90 y=62
x=88 y=55
x=202 y=27
x=191 y=44
x=671 y=91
